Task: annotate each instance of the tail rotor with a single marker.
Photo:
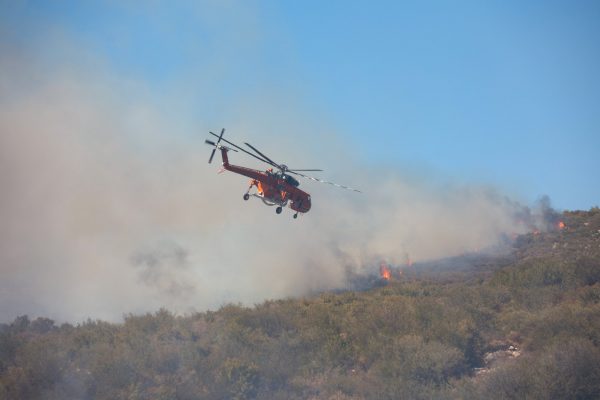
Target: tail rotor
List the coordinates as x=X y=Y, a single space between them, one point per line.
x=216 y=145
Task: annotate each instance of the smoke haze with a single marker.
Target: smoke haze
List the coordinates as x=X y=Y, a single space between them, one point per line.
x=108 y=205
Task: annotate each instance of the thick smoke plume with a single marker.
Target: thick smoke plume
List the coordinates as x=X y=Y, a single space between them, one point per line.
x=108 y=206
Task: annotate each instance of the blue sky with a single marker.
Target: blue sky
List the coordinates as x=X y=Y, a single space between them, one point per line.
x=504 y=93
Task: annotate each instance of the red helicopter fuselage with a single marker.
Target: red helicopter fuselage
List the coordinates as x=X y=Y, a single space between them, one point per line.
x=273 y=188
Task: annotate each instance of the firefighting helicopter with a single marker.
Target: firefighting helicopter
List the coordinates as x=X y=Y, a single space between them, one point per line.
x=273 y=187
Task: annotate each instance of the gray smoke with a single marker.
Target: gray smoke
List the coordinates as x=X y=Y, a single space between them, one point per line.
x=165 y=267
x=108 y=205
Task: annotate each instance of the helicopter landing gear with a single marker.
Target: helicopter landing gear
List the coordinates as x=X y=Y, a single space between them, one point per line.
x=246 y=196
x=295 y=215
x=278 y=210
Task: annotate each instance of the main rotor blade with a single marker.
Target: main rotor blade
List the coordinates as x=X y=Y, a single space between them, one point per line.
x=327 y=182
x=261 y=154
x=304 y=170
x=212 y=155
x=210 y=142
x=245 y=151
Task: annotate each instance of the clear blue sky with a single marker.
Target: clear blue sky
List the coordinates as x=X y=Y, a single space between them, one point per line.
x=500 y=92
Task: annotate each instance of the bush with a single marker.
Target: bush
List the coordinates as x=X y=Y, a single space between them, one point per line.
x=568 y=370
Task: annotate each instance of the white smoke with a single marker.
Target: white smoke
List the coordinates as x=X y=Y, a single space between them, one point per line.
x=108 y=206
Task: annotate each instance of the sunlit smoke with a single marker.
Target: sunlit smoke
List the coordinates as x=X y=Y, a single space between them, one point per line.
x=108 y=205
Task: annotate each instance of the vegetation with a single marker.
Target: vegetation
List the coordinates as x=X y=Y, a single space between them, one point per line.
x=427 y=337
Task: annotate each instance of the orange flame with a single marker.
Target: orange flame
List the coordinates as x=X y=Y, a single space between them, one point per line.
x=560 y=225
x=385 y=272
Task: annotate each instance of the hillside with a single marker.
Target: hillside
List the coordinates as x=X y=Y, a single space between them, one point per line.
x=522 y=325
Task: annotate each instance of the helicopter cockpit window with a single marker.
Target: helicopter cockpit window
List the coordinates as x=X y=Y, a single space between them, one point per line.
x=291 y=180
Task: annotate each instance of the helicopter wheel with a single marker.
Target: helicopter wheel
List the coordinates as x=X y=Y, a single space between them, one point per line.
x=295 y=215
x=278 y=210
x=246 y=196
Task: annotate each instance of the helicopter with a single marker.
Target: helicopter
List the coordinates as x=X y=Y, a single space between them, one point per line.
x=275 y=186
